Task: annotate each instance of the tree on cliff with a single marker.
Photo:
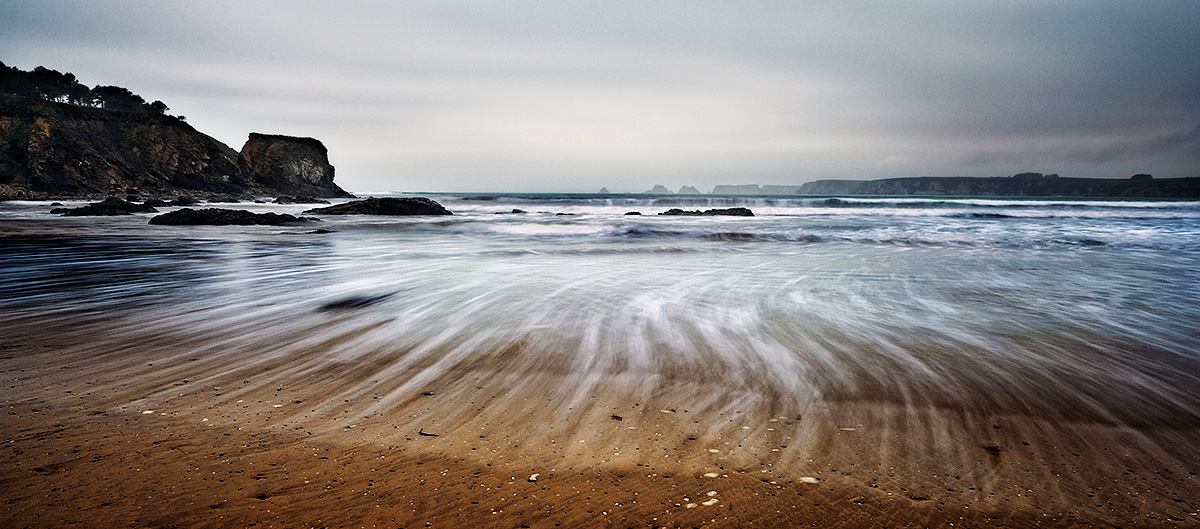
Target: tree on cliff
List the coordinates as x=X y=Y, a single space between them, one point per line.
x=53 y=85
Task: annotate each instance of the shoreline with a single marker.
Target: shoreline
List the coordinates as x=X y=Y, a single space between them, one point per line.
x=159 y=437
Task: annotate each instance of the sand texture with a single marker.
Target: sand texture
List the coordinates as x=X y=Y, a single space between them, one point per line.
x=164 y=436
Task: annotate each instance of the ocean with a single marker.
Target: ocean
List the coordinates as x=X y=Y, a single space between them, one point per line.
x=960 y=316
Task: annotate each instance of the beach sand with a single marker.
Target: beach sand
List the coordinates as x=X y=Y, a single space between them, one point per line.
x=168 y=434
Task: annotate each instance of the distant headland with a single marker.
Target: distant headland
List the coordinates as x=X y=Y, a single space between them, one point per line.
x=1018 y=185
x=60 y=139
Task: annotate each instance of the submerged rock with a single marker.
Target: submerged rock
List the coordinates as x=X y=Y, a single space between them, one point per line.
x=356 y=302
x=223 y=217
x=109 y=207
x=735 y=212
x=385 y=206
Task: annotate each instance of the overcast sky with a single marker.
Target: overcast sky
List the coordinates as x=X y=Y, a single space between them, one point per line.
x=571 y=96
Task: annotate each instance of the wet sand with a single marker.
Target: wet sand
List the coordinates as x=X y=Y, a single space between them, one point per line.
x=169 y=434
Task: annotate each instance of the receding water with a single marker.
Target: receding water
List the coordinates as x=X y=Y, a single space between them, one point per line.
x=1060 y=311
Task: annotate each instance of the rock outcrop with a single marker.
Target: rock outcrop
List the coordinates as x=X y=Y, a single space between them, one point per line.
x=108 y=208
x=223 y=217
x=733 y=212
x=658 y=189
x=66 y=150
x=384 y=206
x=50 y=149
x=688 y=190
x=288 y=165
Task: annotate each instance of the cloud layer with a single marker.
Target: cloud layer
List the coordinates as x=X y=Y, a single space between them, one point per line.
x=553 y=96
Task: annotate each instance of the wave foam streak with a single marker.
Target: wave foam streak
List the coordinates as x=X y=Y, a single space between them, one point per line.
x=988 y=368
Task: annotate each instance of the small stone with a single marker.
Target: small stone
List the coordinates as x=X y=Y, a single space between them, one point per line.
x=533 y=477
x=709 y=503
x=691 y=506
x=712 y=475
x=714 y=451
x=808 y=479
x=711 y=493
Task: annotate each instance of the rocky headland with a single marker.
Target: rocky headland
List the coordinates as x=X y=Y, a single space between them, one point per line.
x=59 y=150
x=1020 y=185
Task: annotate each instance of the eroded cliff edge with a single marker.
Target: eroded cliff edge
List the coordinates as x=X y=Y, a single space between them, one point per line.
x=52 y=149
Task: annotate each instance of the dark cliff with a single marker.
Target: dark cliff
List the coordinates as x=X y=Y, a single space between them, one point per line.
x=289 y=165
x=50 y=149
x=1025 y=185
x=61 y=149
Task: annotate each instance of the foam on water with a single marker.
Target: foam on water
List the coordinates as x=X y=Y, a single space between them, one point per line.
x=805 y=310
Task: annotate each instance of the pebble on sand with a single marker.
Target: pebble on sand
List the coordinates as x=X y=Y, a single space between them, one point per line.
x=709 y=503
x=712 y=475
x=533 y=477
x=808 y=479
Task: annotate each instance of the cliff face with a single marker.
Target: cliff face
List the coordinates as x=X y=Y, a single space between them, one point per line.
x=288 y=165
x=63 y=149
x=55 y=149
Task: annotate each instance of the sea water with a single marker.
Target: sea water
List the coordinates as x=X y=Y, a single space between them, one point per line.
x=1063 y=308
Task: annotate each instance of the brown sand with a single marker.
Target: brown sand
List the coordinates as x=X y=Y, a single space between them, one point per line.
x=167 y=435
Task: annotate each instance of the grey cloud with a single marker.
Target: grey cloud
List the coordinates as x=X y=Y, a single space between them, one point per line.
x=568 y=96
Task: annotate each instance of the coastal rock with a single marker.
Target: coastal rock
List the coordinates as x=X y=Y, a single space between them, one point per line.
x=288 y=165
x=658 y=189
x=603 y=191
x=223 y=217
x=688 y=190
x=384 y=206
x=56 y=150
x=734 y=212
x=109 y=207
x=302 y=199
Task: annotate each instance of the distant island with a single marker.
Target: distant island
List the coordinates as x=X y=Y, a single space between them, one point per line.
x=60 y=139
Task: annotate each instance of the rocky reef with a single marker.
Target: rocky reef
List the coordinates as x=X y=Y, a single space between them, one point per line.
x=385 y=206
x=50 y=150
x=108 y=208
x=730 y=212
x=224 y=217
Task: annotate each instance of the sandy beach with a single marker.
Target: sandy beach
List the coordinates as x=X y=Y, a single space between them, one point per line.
x=159 y=437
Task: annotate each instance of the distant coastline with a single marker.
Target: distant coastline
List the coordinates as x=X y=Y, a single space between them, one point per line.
x=1019 y=185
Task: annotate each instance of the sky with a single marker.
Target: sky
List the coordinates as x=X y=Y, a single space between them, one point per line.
x=563 y=96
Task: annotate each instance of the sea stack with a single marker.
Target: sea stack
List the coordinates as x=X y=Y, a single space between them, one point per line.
x=288 y=165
